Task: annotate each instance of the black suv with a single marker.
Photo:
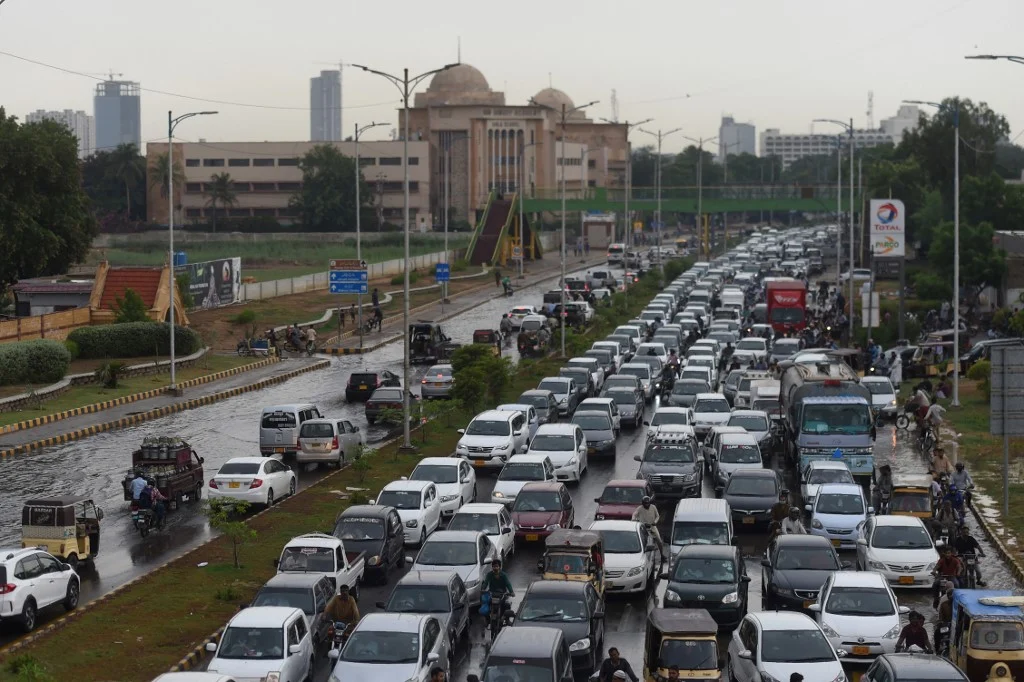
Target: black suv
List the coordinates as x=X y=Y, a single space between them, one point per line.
x=712 y=577
x=671 y=465
x=361 y=385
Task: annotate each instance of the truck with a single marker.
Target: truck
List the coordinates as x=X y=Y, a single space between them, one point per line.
x=828 y=415
x=787 y=305
x=174 y=466
x=324 y=554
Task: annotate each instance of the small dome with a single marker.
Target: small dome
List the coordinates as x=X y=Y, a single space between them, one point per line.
x=554 y=98
x=461 y=78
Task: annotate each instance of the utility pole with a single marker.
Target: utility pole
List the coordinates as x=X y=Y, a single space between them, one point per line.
x=660 y=135
x=359 y=248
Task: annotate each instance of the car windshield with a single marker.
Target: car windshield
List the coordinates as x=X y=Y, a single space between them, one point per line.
x=307 y=560
x=879 y=387
x=239 y=469
x=689 y=654
x=316 y=430
x=740 y=454
x=447 y=553
x=638 y=372
x=517 y=671
x=622 y=397
x=360 y=529
x=837 y=419
x=709 y=533
x=820 y=476
x=252 y=643
x=785 y=346
x=556 y=387
x=750 y=344
x=663 y=418
x=548 y=609
x=553 y=442
x=480 y=427
x=704 y=571
x=805 y=559
x=358 y=378
x=538 y=500
x=538 y=401
x=369 y=646
x=485 y=523
x=522 y=471
x=419 y=599
x=436 y=473
x=690 y=387
x=749 y=422
x=295 y=597
x=632 y=494
x=619 y=381
x=859 y=601
x=678 y=453
x=796 y=646
x=718 y=405
x=733 y=379
x=900 y=537
x=593 y=422
x=839 y=503
x=997 y=635
x=387 y=394
x=400 y=499
x=621 y=542
x=752 y=486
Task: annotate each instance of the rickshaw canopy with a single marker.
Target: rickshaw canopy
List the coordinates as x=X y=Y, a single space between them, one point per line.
x=569 y=538
x=54 y=511
x=485 y=336
x=682 y=621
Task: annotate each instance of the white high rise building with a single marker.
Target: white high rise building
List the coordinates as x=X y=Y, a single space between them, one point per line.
x=78 y=122
x=325 y=107
x=906 y=118
x=736 y=138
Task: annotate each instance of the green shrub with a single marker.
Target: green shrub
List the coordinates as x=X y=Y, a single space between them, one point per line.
x=981 y=371
x=133 y=340
x=930 y=285
x=109 y=374
x=72 y=348
x=131 y=308
x=247 y=316
x=183 y=284
x=42 y=361
x=399 y=279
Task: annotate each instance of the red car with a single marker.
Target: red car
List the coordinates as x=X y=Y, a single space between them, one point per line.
x=541 y=507
x=620 y=499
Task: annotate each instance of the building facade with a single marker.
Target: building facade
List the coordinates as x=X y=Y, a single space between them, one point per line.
x=266 y=175
x=78 y=122
x=790 y=147
x=906 y=118
x=736 y=138
x=325 y=107
x=117 y=107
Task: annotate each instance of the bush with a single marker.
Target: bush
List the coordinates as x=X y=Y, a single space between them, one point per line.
x=399 y=279
x=981 y=372
x=131 y=308
x=134 y=340
x=72 y=349
x=109 y=374
x=247 y=316
x=930 y=285
x=33 y=362
x=183 y=284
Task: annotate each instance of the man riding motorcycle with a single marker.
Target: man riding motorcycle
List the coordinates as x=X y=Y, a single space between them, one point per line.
x=883 y=487
x=648 y=515
x=948 y=568
x=965 y=543
x=963 y=481
x=780 y=510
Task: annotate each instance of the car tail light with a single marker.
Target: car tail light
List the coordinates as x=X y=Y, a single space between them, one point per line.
x=256 y=483
x=423 y=381
x=213 y=483
x=334 y=443
x=8 y=588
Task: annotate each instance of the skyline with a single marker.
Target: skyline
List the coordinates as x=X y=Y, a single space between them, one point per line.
x=772 y=67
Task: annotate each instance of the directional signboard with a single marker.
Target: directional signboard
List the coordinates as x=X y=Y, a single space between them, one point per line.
x=348 y=276
x=442 y=273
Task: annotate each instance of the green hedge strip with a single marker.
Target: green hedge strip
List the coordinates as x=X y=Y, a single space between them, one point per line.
x=33 y=362
x=134 y=340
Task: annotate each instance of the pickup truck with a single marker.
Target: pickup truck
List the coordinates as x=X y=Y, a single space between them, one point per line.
x=173 y=465
x=323 y=553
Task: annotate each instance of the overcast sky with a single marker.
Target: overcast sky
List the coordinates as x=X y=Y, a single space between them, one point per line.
x=776 y=63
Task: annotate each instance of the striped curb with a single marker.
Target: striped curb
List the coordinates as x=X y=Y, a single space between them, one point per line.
x=198 y=654
x=159 y=411
x=1014 y=563
x=134 y=397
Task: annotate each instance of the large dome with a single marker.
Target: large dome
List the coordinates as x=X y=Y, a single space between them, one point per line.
x=461 y=78
x=554 y=98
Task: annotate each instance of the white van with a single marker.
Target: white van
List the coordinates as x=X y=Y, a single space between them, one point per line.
x=701 y=521
x=280 y=425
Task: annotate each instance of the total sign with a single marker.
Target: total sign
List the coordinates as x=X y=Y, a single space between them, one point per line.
x=888 y=228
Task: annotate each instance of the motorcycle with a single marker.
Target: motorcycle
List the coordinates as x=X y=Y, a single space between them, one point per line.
x=884 y=498
x=942 y=640
x=970 y=569
x=309 y=349
x=337 y=635
x=144 y=520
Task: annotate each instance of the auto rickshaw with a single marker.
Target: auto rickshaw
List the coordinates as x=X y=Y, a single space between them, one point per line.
x=987 y=628
x=912 y=496
x=569 y=554
x=490 y=337
x=928 y=361
x=685 y=638
x=66 y=527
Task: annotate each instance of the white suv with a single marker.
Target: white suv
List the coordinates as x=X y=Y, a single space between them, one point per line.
x=30 y=580
x=492 y=437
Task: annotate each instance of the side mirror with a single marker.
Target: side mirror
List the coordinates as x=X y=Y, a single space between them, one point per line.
x=99 y=514
x=472 y=678
x=846 y=565
x=637 y=458
x=432 y=658
x=381 y=605
x=355 y=429
x=904 y=610
x=211 y=647
x=862 y=542
x=462 y=431
x=814 y=607
x=333 y=654
x=506 y=531
x=409 y=560
x=766 y=563
x=746 y=655
x=518 y=433
x=744 y=578
x=647 y=423
x=871 y=510
x=663 y=575
x=598 y=615
x=373 y=501
x=808 y=507
x=540 y=565
x=202 y=460
x=294 y=649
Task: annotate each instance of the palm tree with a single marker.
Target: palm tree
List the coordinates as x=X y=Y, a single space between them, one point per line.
x=159 y=174
x=220 y=190
x=128 y=168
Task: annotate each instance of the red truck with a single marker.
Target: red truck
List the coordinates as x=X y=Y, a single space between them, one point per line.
x=787 y=305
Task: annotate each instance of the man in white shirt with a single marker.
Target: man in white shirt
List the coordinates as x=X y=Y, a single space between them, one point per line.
x=792 y=525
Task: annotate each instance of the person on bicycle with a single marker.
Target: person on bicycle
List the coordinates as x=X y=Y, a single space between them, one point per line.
x=966 y=543
x=497 y=583
x=648 y=515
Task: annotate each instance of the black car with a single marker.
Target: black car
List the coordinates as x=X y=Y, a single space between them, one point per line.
x=544 y=401
x=684 y=392
x=794 y=569
x=361 y=385
x=630 y=403
x=712 y=577
x=671 y=465
x=913 y=668
x=439 y=593
x=389 y=399
x=583 y=378
x=377 y=531
x=575 y=608
x=751 y=494
x=627 y=345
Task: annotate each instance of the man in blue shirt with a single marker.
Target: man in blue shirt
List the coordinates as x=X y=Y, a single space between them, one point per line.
x=138 y=484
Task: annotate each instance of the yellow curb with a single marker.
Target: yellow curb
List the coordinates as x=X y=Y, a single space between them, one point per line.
x=198 y=654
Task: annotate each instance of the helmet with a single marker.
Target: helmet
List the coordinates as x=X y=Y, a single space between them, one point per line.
x=785 y=491
x=959 y=466
x=646 y=500
x=952 y=487
x=793 y=511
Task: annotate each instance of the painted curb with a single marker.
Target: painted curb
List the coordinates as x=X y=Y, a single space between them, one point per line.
x=159 y=411
x=134 y=397
x=198 y=654
x=1012 y=561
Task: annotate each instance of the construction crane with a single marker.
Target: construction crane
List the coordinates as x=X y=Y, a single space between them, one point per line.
x=615 y=106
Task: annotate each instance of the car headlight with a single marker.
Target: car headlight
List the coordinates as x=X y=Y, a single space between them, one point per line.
x=635 y=571
x=672 y=596
x=333 y=678
x=554 y=526
x=571 y=462
x=893 y=402
x=580 y=644
x=786 y=592
x=829 y=632
x=876 y=565
x=894 y=633
x=604 y=443
x=472 y=584
x=815 y=523
x=689 y=477
x=564 y=400
x=449 y=498
x=731 y=598
x=373 y=561
x=599 y=517
x=461 y=448
x=841 y=677
x=412 y=524
x=498 y=494
x=929 y=568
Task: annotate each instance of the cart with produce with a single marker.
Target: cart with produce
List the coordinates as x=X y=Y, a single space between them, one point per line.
x=174 y=466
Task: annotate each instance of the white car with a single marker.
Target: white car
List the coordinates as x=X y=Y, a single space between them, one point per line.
x=710 y=409
x=772 y=645
x=566 y=447
x=392 y=647
x=328 y=441
x=564 y=390
x=519 y=471
x=859 y=614
x=462 y=551
x=883 y=395
x=264 y=640
x=642 y=372
x=519 y=313
x=706 y=361
x=606 y=405
x=492 y=437
x=454 y=478
x=532 y=418
x=657 y=349
x=418 y=505
x=252 y=480
x=859 y=275
x=532 y=323
x=681 y=416
x=818 y=472
x=837 y=512
x=630 y=555
x=750 y=348
x=898 y=547
x=34 y=580
x=492 y=519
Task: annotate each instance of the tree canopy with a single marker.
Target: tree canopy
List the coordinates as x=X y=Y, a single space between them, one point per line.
x=327 y=200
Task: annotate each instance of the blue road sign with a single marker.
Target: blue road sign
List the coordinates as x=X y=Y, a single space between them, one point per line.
x=442 y=273
x=352 y=287
x=348 y=275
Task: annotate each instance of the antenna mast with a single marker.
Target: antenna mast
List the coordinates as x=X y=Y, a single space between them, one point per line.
x=615 y=106
x=871 y=110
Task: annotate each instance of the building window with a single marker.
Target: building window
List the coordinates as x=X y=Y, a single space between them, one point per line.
x=294 y=161
x=392 y=187
x=591 y=183
x=591 y=163
x=367 y=161
x=414 y=160
x=192 y=163
x=239 y=212
x=240 y=186
x=262 y=163
x=193 y=213
x=263 y=212
x=287 y=212
x=289 y=186
x=264 y=187
x=391 y=161
x=414 y=186
x=213 y=163
x=193 y=187
x=238 y=163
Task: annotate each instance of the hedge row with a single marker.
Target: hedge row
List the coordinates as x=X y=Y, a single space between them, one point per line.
x=134 y=340
x=33 y=362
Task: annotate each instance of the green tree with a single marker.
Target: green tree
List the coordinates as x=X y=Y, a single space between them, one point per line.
x=129 y=169
x=326 y=202
x=220 y=191
x=922 y=222
x=45 y=222
x=225 y=518
x=131 y=308
x=159 y=174
x=682 y=171
x=981 y=263
x=643 y=165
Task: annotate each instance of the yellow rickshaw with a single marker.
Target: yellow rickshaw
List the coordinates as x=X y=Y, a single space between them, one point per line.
x=930 y=359
x=987 y=628
x=66 y=527
x=685 y=638
x=912 y=496
x=573 y=554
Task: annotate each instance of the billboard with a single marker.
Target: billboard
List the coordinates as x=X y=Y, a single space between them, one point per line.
x=213 y=283
x=888 y=228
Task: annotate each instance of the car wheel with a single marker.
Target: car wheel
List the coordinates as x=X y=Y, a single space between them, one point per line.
x=197 y=494
x=291 y=487
x=728 y=663
x=28 y=615
x=341 y=459
x=72 y=561
x=270 y=497
x=71 y=597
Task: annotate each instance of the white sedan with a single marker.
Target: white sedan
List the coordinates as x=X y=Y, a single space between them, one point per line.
x=859 y=614
x=418 y=505
x=251 y=480
x=898 y=547
x=566 y=447
x=859 y=275
x=492 y=519
x=629 y=555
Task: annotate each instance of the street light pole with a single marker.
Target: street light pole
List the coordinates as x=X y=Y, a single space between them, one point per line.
x=850 y=129
x=700 y=179
x=359 y=248
x=660 y=135
x=172 y=123
x=405 y=86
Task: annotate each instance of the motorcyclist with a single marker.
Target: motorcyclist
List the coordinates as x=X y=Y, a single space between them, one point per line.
x=342 y=607
x=726 y=356
x=883 y=485
x=378 y=318
x=648 y=515
x=962 y=480
x=294 y=337
x=945 y=612
x=780 y=510
x=940 y=463
x=497 y=583
x=152 y=498
x=138 y=484
x=914 y=634
x=955 y=497
x=668 y=378
x=945 y=520
x=948 y=568
x=505 y=326
x=966 y=543
x=793 y=525
x=673 y=360
x=920 y=403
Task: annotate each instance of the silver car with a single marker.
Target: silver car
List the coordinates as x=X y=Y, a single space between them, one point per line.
x=393 y=647
x=437 y=382
x=462 y=551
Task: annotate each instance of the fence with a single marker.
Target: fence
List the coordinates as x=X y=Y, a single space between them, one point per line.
x=318 y=281
x=49 y=326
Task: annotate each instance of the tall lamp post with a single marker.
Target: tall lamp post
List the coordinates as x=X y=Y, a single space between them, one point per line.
x=405 y=85
x=849 y=128
x=724 y=146
x=172 y=123
x=522 y=188
x=700 y=178
x=660 y=135
x=955 y=110
x=359 y=248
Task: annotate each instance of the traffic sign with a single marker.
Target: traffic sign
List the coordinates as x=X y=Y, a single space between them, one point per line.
x=442 y=273
x=348 y=276
x=517 y=252
x=349 y=287
x=638 y=226
x=347 y=264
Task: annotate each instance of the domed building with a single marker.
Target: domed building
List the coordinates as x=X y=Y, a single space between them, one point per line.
x=553 y=98
x=458 y=86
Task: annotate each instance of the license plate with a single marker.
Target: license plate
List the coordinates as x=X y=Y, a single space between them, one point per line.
x=835 y=543
x=861 y=651
x=807 y=603
x=478 y=463
x=279 y=450
x=234 y=484
x=362 y=387
x=532 y=537
x=436 y=383
x=906 y=580
x=591 y=451
x=748 y=519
